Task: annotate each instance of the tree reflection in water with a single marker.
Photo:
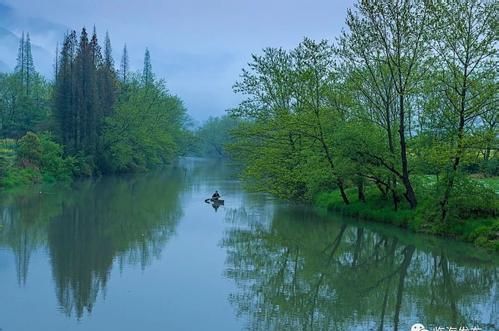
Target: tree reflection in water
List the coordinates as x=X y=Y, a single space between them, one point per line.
x=302 y=271
x=88 y=227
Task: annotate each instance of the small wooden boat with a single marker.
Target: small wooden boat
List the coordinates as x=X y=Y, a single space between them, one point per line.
x=214 y=201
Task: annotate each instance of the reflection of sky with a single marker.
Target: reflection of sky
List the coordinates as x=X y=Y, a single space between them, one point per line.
x=5 y=259
x=199 y=46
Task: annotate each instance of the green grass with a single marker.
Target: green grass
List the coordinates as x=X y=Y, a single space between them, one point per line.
x=492 y=182
x=482 y=232
x=374 y=208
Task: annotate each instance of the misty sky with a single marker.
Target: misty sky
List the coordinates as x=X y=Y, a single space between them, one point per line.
x=198 y=46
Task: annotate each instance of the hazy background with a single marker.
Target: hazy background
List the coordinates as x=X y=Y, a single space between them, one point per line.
x=198 y=47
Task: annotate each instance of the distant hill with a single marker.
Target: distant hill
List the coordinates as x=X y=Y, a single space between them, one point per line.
x=9 y=43
x=12 y=24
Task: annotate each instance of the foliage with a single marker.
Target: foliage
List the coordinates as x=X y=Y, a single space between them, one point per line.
x=29 y=151
x=482 y=231
x=37 y=158
x=21 y=112
x=53 y=164
x=110 y=125
x=490 y=167
x=146 y=128
x=214 y=135
x=24 y=96
x=395 y=115
x=98 y=123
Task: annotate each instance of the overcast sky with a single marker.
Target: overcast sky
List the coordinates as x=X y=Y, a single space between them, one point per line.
x=198 y=46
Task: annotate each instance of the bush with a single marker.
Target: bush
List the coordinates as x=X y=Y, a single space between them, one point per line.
x=20 y=176
x=5 y=164
x=82 y=166
x=490 y=167
x=472 y=199
x=29 y=151
x=52 y=164
x=37 y=158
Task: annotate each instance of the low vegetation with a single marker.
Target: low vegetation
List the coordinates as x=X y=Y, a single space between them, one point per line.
x=476 y=199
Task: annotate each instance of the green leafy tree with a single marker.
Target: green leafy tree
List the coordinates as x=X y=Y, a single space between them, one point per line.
x=29 y=151
x=467 y=73
x=146 y=128
x=396 y=32
x=214 y=136
x=24 y=96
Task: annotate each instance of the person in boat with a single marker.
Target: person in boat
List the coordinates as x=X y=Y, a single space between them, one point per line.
x=215 y=196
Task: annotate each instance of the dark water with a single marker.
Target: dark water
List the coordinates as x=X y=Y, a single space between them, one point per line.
x=144 y=252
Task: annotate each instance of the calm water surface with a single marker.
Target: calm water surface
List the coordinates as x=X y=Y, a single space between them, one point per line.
x=145 y=252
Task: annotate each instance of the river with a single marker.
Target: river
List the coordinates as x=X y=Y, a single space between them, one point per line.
x=145 y=252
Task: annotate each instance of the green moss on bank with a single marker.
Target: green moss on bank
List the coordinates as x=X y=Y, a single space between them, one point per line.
x=482 y=232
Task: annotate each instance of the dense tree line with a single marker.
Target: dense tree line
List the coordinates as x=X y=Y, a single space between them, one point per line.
x=102 y=118
x=115 y=121
x=397 y=104
x=212 y=138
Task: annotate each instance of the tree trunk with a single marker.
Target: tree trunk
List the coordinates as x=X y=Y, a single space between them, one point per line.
x=360 y=190
x=383 y=191
x=444 y=203
x=410 y=195
x=344 y=196
x=393 y=190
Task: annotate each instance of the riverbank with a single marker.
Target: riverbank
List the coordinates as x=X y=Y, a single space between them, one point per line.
x=483 y=232
x=34 y=159
x=39 y=159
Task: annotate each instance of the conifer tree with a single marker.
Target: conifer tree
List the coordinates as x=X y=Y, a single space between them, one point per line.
x=56 y=62
x=25 y=69
x=20 y=68
x=95 y=50
x=147 y=75
x=124 y=66
x=65 y=94
x=108 y=52
x=107 y=79
x=29 y=66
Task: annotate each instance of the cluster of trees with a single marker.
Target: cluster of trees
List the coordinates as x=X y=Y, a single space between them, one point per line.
x=24 y=96
x=102 y=119
x=398 y=104
x=115 y=121
x=212 y=138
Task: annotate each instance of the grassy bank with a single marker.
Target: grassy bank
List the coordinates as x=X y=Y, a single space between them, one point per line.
x=480 y=231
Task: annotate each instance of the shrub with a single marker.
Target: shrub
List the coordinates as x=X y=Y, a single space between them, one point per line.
x=83 y=166
x=29 y=151
x=20 y=176
x=472 y=199
x=490 y=167
x=52 y=164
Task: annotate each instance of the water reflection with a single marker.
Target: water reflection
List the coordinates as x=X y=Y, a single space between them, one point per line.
x=292 y=268
x=304 y=272
x=89 y=226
